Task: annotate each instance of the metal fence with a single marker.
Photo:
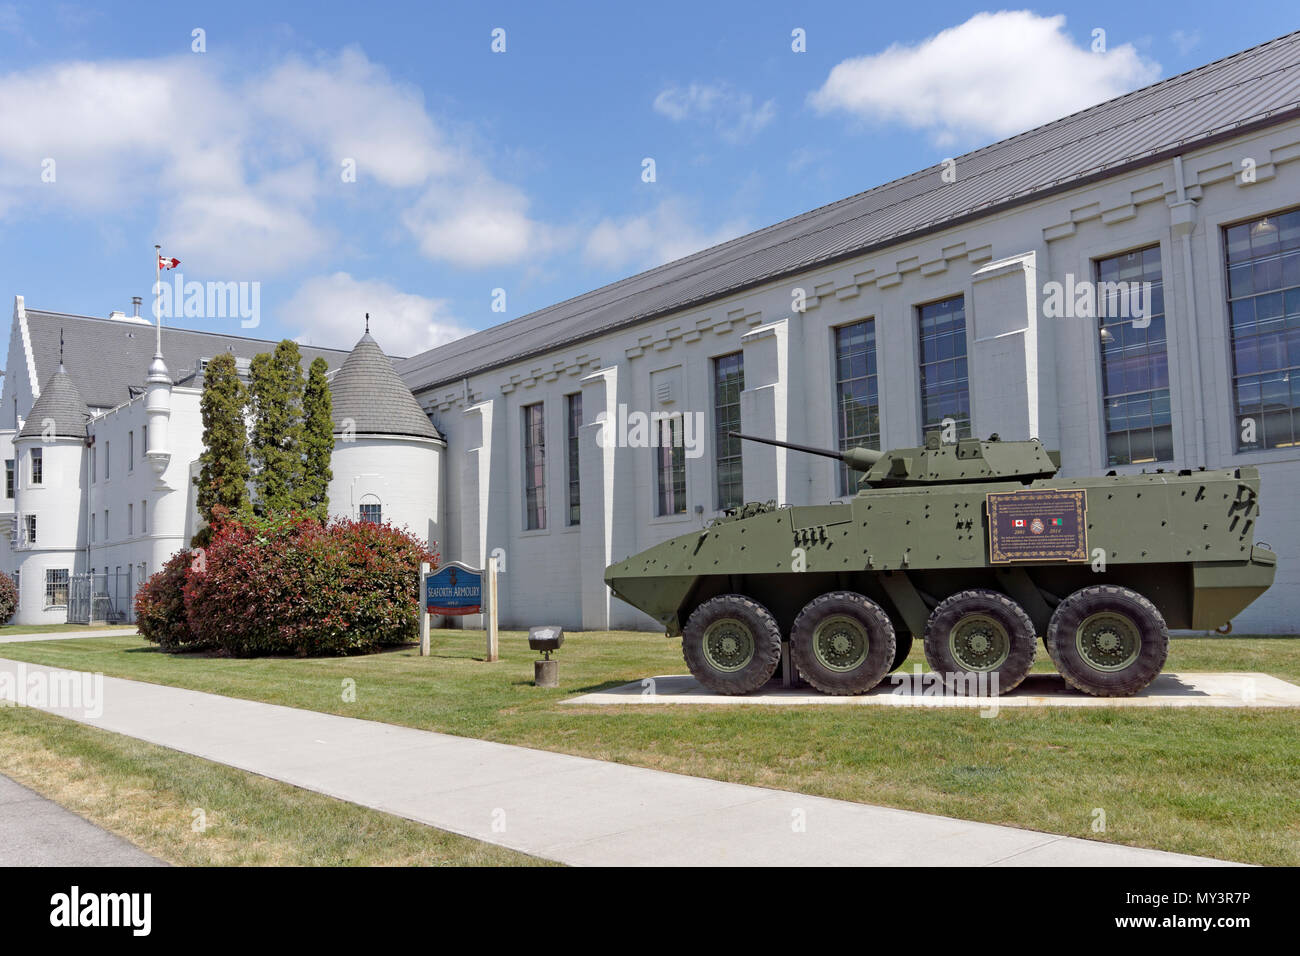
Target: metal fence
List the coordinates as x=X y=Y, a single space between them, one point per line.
x=102 y=598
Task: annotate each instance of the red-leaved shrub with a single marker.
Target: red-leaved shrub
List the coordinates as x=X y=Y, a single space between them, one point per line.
x=160 y=605
x=8 y=598
x=294 y=586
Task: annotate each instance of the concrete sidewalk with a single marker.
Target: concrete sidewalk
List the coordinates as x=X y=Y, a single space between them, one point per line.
x=570 y=809
x=35 y=831
x=67 y=635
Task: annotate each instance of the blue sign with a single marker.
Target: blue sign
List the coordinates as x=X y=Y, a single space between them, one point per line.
x=454 y=589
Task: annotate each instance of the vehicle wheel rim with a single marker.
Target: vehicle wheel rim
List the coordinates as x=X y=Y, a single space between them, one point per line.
x=728 y=645
x=979 y=643
x=1108 y=641
x=840 y=643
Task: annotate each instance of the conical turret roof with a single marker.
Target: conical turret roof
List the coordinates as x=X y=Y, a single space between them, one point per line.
x=61 y=403
x=369 y=397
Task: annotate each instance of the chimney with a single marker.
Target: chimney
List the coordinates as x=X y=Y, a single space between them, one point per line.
x=135 y=302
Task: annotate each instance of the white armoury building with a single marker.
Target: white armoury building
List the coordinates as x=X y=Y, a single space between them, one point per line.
x=979 y=295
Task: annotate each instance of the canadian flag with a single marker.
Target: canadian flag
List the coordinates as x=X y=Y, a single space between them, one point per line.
x=1019 y=522
x=165 y=263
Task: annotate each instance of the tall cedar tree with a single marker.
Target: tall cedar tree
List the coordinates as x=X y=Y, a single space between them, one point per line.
x=222 y=481
x=317 y=442
x=276 y=393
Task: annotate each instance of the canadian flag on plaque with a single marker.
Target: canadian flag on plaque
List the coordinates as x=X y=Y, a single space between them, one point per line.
x=1019 y=522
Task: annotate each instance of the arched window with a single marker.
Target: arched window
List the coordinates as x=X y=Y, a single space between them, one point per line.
x=371 y=509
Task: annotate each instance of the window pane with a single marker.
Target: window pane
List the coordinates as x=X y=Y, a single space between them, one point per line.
x=1263 y=264
x=534 y=467
x=1134 y=363
x=945 y=392
x=857 y=414
x=728 y=382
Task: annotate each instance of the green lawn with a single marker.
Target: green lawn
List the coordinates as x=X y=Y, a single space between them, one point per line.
x=149 y=795
x=1219 y=783
x=8 y=629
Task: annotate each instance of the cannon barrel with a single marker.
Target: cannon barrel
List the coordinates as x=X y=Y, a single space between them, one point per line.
x=859 y=459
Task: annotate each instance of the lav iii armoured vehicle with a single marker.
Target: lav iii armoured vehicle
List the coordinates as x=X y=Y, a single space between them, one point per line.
x=975 y=547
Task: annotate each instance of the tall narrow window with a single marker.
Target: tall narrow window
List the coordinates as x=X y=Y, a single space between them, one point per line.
x=108 y=459
x=1134 y=363
x=1264 y=303
x=38 y=466
x=56 y=587
x=144 y=440
x=728 y=383
x=144 y=517
x=130 y=520
x=9 y=477
x=94 y=463
x=857 y=395
x=534 y=467
x=106 y=534
x=92 y=527
x=29 y=528
x=130 y=451
x=670 y=466
x=575 y=486
x=945 y=391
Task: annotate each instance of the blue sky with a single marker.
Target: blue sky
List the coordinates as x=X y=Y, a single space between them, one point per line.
x=521 y=170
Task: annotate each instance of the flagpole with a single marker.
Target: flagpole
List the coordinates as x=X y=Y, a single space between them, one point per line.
x=157 y=297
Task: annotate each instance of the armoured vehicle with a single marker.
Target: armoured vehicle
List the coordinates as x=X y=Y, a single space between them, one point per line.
x=977 y=548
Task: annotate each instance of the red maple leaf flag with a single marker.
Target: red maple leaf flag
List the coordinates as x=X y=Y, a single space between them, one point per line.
x=166 y=263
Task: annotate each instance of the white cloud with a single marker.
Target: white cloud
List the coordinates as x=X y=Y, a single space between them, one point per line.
x=329 y=311
x=476 y=224
x=661 y=235
x=1185 y=41
x=996 y=74
x=351 y=108
x=731 y=112
x=239 y=164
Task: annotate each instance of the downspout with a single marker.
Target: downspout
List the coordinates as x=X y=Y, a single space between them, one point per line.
x=1183 y=223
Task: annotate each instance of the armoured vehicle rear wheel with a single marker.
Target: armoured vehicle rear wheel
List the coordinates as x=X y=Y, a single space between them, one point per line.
x=842 y=643
x=1108 y=641
x=732 y=644
x=977 y=636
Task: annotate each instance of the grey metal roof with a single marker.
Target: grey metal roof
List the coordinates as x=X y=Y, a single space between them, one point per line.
x=1257 y=87
x=369 y=397
x=109 y=358
x=60 y=403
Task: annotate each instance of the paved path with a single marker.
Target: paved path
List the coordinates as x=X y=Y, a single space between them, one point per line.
x=38 y=832
x=66 y=635
x=570 y=809
x=1236 y=689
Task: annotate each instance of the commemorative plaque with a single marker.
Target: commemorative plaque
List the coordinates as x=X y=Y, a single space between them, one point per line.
x=1038 y=524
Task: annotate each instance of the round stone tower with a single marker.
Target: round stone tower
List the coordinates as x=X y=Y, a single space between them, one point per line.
x=387 y=454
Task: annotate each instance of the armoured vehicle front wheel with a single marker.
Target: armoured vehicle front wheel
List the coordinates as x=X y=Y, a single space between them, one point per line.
x=842 y=643
x=981 y=642
x=732 y=644
x=1108 y=641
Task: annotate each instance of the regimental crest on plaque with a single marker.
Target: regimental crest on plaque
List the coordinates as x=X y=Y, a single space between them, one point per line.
x=1038 y=524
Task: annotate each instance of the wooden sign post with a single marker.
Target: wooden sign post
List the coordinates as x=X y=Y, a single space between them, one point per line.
x=490 y=596
x=424 y=609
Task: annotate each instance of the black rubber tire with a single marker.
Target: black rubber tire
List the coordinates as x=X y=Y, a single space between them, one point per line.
x=1078 y=673
x=902 y=647
x=767 y=644
x=1002 y=609
x=881 y=643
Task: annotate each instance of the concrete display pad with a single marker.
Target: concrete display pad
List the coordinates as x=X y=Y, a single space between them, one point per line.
x=1232 y=689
